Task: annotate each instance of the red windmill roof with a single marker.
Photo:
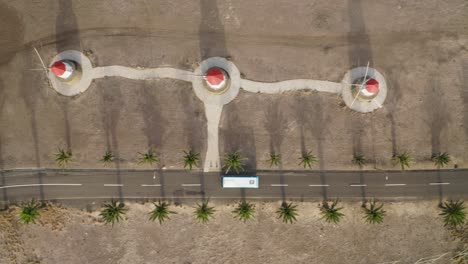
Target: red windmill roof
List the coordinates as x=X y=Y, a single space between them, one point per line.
x=372 y=86
x=58 y=68
x=214 y=76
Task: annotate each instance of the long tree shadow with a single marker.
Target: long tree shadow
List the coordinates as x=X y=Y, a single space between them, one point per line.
x=154 y=123
x=315 y=122
x=211 y=31
x=111 y=104
x=464 y=96
x=238 y=137
x=67 y=38
x=440 y=190
x=360 y=50
x=318 y=127
x=12 y=32
x=357 y=124
x=2 y=161
x=276 y=124
x=302 y=117
x=33 y=98
x=195 y=122
x=359 y=54
x=439 y=117
x=201 y=176
x=162 y=182
x=393 y=100
x=66 y=27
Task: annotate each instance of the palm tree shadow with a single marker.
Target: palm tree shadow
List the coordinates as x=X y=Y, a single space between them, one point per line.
x=440 y=191
x=359 y=53
x=4 y=201
x=275 y=124
x=2 y=161
x=162 y=182
x=201 y=176
x=242 y=194
x=282 y=182
x=464 y=95
x=362 y=181
x=439 y=117
x=111 y=105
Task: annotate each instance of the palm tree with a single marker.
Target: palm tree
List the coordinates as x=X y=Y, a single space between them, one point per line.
x=191 y=159
x=308 y=159
x=234 y=161
x=403 y=159
x=113 y=212
x=375 y=213
x=441 y=159
x=63 y=157
x=30 y=212
x=161 y=212
x=107 y=158
x=287 y=212
x=360 y=160
x=244 y=211
x=149 y=157
x=331 y=214
x=453 y=213
x=275 y=159
x=203 y=212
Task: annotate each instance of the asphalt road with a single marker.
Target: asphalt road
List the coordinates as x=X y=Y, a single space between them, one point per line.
x=19 y=185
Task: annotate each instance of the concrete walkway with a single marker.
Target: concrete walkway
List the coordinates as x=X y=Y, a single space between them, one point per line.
x=213 y=102
x=291 y=85
x=142 y=74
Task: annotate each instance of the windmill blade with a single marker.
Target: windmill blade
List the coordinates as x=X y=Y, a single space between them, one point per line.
x=363 y=82
x=42 y=62
x=377 y=104
x=365 y=75
x=354 y=100
x=45 y=69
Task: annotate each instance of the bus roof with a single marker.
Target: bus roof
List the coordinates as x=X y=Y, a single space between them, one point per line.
x=240 y=181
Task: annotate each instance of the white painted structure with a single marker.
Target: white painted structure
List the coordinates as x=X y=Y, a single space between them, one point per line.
x=216 y=78
x=62 y=69
x=240 y=181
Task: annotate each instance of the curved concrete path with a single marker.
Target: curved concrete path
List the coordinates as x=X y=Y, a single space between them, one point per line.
x=213 y=102
x=291 y=85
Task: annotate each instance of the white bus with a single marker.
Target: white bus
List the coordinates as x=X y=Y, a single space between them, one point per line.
x=240 y=181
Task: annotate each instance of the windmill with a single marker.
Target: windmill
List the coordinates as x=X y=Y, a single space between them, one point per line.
x=369 y=87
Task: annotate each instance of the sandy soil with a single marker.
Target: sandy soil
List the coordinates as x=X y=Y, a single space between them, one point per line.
x=409 y=232
x=419 y=46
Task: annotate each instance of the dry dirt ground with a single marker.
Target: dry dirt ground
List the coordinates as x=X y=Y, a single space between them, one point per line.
x=409 y=232
x=420 y=46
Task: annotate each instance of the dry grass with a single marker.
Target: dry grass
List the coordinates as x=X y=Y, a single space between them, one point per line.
x=410 y=231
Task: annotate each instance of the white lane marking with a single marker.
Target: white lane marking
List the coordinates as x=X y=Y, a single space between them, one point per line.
x=113 y=185
x=358 y=185
x=149 y=185
x=318 y=185
x=279 y=185
x=395 y=184
x=439 y=183
x=44 y=184
x=191 y=184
